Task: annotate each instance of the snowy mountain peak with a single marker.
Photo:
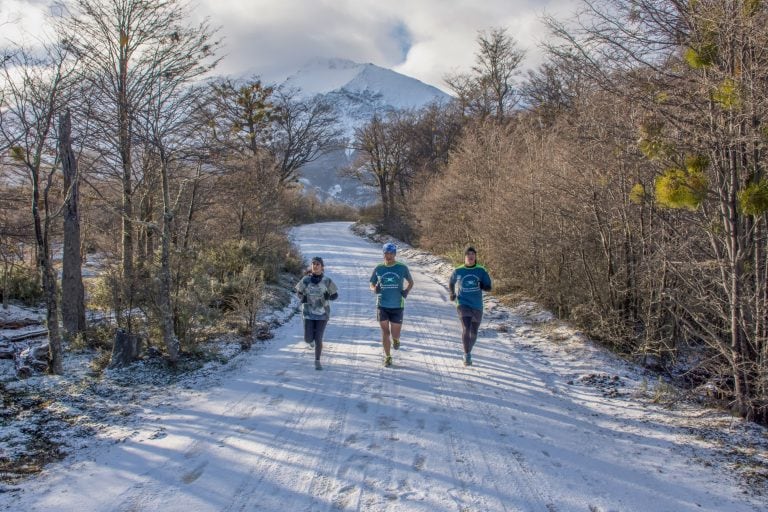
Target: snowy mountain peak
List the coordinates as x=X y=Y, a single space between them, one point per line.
x=356 y=92
x=324 y=76
x=321 y=76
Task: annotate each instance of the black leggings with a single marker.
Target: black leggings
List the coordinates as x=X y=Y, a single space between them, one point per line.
x=470 y=323
x=313 y=331
x=469 y=333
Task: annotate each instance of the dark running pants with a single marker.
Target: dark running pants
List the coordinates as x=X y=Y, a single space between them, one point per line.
x=470 y=323
x=313 y=331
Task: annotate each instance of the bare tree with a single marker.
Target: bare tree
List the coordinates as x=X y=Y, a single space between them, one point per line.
x=551 y=90
x=167 y=125
x=303 y=130
x=489 y=90
x=34 y=91
x=126 y=47
x=383 y=147
x=252 y=191
x=239 y=114
x=699 y=71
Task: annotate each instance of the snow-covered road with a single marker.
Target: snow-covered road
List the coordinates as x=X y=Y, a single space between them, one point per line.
x=508 y=434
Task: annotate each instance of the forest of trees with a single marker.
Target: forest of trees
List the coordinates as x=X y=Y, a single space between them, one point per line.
x=116 y=140
x=621 y=183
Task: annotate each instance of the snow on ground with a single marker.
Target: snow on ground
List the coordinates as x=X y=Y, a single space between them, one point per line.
x=17 y=320
x=545 y=421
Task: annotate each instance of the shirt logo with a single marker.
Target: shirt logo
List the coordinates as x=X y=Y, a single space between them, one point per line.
x=470 y=284
x=390 y=280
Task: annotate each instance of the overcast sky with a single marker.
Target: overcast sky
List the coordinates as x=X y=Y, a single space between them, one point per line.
x=425 y=39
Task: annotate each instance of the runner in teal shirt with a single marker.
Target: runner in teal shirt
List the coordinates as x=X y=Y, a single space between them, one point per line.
x=467 y=284
x=388 y=283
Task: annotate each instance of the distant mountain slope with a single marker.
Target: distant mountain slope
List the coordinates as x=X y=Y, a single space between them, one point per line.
x=357 y=91
x=389 y=88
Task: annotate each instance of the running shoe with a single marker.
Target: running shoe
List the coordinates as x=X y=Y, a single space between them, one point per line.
x=318 y=366
x=467 y=359
x=395 y=343
x=388 y=361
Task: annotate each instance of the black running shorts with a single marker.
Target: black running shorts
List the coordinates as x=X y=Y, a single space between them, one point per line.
x=394 y=315
x=475 y=314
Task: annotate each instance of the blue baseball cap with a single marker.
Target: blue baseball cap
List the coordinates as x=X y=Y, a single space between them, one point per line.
x=390 y=247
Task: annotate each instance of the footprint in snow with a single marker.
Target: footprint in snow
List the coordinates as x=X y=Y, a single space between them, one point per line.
x=193 y=475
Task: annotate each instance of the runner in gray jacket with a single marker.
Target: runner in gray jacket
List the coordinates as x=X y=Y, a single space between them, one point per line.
x=316 y=290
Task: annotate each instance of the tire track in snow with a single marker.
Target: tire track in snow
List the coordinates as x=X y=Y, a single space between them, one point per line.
x=153 y=489
x=327 y=485
x=451 y=377
x=314 y=484
x=536 y=483
x=463 y=464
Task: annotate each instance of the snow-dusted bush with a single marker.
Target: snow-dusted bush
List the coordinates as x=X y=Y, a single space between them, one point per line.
x=23 y=285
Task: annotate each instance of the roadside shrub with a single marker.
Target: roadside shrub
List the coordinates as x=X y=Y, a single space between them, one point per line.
x=371 y=214
x=100 y=361
x=225 y=263
x=248 y=299
x=307 y=209
x=227 y=281
x=100 y=336
x=293 y=262
x=102 y=292
x=23 y=285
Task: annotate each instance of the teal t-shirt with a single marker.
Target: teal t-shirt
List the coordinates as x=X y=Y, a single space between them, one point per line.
x=468 y=284
x=392 y=280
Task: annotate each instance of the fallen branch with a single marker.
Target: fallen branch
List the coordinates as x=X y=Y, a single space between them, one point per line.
x=25 y=335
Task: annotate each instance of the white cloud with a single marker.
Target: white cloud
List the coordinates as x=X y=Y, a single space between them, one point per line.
x=273 y=39
x=23 y=21
x=425 y=39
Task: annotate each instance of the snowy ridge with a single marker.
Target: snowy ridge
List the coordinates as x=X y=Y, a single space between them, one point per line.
x=320 y=76
x=392 y=89
x=397 y=90
x=357 y=92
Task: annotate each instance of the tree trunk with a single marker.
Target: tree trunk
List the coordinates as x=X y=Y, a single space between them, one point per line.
x=191 y=209
x=241 y=222
x=72 y=291
x=125 y=350
x=187 y=232
x=47 y=274
x=166 y=308
x=52 y=311
x=385 y=205
x=6 y=281
x=124 y=141
x=147 y=245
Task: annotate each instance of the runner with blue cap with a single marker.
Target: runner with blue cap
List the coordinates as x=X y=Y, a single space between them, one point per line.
x=388 y=283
